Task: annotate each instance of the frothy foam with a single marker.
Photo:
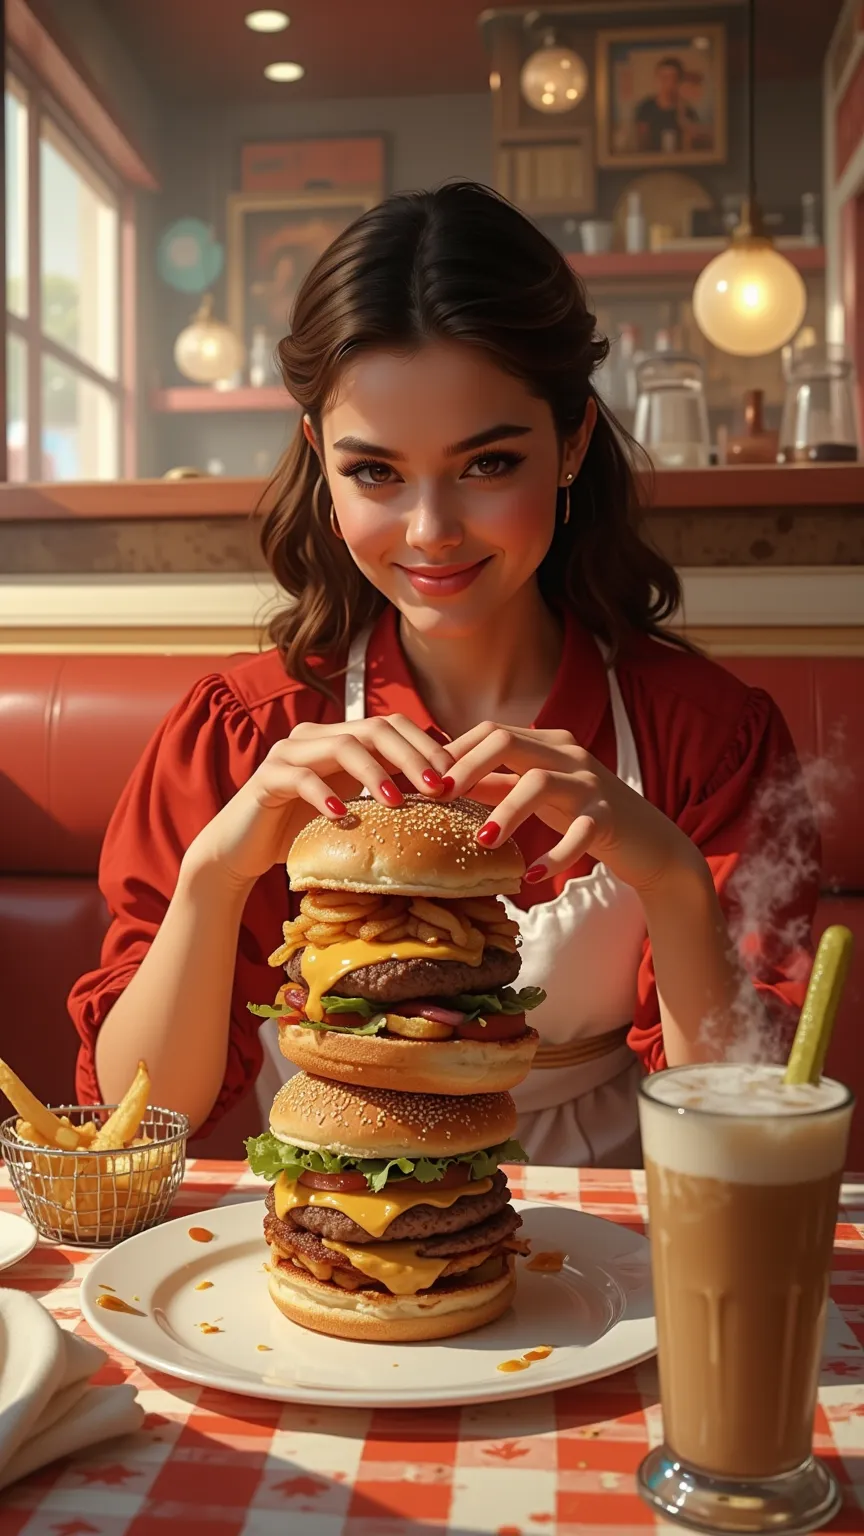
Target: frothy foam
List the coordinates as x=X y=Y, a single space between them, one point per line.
x=743 y=1124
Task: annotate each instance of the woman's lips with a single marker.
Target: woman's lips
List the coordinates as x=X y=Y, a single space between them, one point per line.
x=443 y=580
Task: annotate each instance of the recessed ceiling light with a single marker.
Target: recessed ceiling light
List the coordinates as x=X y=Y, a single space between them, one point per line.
x=285 y=72
x=267 y=21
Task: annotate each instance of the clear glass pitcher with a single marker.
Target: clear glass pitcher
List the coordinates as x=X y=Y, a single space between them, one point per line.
x=671 y=414
x=819 y=421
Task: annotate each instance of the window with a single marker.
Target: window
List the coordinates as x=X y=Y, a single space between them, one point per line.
x=66 y=392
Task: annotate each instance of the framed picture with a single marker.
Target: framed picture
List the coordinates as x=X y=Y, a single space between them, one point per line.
x=661 y=96
x=274 y=238
x=315 y=165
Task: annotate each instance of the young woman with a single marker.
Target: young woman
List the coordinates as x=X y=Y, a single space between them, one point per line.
x=474 y=613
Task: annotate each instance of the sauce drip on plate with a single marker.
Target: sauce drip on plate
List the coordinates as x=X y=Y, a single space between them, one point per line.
x=201 y=1234
x=115 y=1304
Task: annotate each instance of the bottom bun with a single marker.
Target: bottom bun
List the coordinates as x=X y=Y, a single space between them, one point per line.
x=384 y=1319
x=411 y=1066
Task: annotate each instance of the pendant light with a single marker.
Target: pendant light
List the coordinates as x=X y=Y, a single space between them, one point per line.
x=207 y=351
x=553 y=79
x=749 y=300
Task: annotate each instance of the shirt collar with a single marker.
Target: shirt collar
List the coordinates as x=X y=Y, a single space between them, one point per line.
x=577 y=701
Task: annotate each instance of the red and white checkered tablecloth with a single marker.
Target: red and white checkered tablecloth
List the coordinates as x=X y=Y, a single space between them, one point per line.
x=209 y=1464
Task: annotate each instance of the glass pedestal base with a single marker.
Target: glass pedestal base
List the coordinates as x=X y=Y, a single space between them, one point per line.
x=795 y=1502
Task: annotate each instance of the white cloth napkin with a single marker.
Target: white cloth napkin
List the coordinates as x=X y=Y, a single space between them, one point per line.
x=47 y=1407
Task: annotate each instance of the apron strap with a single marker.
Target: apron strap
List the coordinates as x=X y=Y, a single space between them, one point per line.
x=355 y=676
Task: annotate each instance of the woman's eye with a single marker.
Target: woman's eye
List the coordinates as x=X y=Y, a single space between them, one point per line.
x=492 y=466
x=372 y=474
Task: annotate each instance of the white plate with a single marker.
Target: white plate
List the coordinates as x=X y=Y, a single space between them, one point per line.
x=17 y=1239
x=597 y=1313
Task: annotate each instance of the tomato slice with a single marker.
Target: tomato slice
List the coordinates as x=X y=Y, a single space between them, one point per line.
x=339 y=1183
x=453 y=1176
x=498 y=1026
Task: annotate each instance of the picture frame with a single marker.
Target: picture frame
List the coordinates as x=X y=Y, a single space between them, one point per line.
x=273 y=239
x=315 y=165
x=661 y=96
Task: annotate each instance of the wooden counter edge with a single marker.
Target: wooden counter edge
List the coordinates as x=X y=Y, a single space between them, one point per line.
x=742 y=488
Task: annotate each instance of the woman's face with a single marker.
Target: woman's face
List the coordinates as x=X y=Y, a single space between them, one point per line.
x=444 y=472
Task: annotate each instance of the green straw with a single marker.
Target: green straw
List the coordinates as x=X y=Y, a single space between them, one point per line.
x=827 y=980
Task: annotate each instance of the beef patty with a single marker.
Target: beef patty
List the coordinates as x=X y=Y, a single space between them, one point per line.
x=420 y=1221
x=391 y=981
x=287 y=1238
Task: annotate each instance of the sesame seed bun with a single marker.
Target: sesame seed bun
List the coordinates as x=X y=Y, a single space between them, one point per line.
x=382 y=1318
x=420 y=848
x=315 y=1112
x=456 y=1067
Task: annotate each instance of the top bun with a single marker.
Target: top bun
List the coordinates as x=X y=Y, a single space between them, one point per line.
x=313 y=1112
x=420 y=848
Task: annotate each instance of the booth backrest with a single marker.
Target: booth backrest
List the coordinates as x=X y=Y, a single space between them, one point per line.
x=72 y=728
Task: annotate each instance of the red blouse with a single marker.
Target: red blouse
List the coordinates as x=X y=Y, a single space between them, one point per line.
x=707 y=745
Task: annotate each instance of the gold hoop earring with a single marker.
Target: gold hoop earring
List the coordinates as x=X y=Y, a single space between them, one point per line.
x=334 y=524
x=567 y=503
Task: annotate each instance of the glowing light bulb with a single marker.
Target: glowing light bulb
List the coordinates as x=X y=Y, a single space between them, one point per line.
x=554 y=79
x=749 y=300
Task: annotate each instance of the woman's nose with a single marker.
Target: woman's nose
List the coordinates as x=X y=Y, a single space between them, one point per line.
x=433 y=523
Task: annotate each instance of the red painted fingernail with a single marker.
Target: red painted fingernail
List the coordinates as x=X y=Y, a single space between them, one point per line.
x=489 y=833
x=535 y=873
x=448 y=783
x=391 y=794
x=433 y=779
x=335 y=806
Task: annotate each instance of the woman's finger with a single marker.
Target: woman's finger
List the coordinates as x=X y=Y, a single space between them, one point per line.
x=416 y=757
x=556 y=797
x=276 y=783
x=341 y=753
x=580 y=837
x=503 y=750
x=465 y=743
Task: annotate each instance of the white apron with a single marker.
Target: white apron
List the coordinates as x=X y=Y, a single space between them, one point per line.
x=577 y=1107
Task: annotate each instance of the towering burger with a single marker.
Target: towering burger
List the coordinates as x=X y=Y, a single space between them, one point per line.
x=389 y=1217
x=401 y=964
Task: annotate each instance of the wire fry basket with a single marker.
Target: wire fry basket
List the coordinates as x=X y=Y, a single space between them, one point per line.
x=95 y=1199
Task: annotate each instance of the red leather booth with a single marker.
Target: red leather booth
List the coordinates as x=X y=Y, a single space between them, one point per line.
x=71 y=729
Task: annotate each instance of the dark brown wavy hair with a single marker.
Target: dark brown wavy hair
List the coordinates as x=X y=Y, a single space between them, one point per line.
x=457 y=264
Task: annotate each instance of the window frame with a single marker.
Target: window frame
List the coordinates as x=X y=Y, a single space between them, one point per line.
x=42 y=108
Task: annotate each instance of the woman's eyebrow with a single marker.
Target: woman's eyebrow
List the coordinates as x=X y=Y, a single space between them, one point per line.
x=478 y=440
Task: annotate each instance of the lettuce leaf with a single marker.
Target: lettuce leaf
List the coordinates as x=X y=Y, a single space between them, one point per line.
x=472 y=1004
x=505 y=1000
x=269 y=1157
x=375 y=1020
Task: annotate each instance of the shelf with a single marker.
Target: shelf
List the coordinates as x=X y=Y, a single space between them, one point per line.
x=201 y=401
x=733 y=487
x=627 y=265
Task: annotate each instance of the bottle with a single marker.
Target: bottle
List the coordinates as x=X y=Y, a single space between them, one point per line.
x=635 y=226
x=756 y=445
x=259 y=358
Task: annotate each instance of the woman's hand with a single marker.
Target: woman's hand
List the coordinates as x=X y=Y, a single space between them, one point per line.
x=546 y=774
x=312 y=772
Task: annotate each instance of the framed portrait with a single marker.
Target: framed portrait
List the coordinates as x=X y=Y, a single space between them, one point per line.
x=274 y=238
x=661 y=96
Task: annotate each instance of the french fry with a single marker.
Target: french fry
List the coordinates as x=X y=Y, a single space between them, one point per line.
x=120 y=1127
x=439 y=916
x=33 y=1110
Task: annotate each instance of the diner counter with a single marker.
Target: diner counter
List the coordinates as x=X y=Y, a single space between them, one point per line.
x=219 y=1465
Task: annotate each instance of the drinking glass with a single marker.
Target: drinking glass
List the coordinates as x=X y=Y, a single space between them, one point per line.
x=819 y=425
x=743 y=1181
x=671 y=415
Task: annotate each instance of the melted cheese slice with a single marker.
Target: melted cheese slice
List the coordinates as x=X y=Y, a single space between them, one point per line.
x=396 y=1265
x=373 y=1213
x=321 y=968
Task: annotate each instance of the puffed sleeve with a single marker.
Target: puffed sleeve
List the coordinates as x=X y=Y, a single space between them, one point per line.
x=750 y=815
x=201 y=754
